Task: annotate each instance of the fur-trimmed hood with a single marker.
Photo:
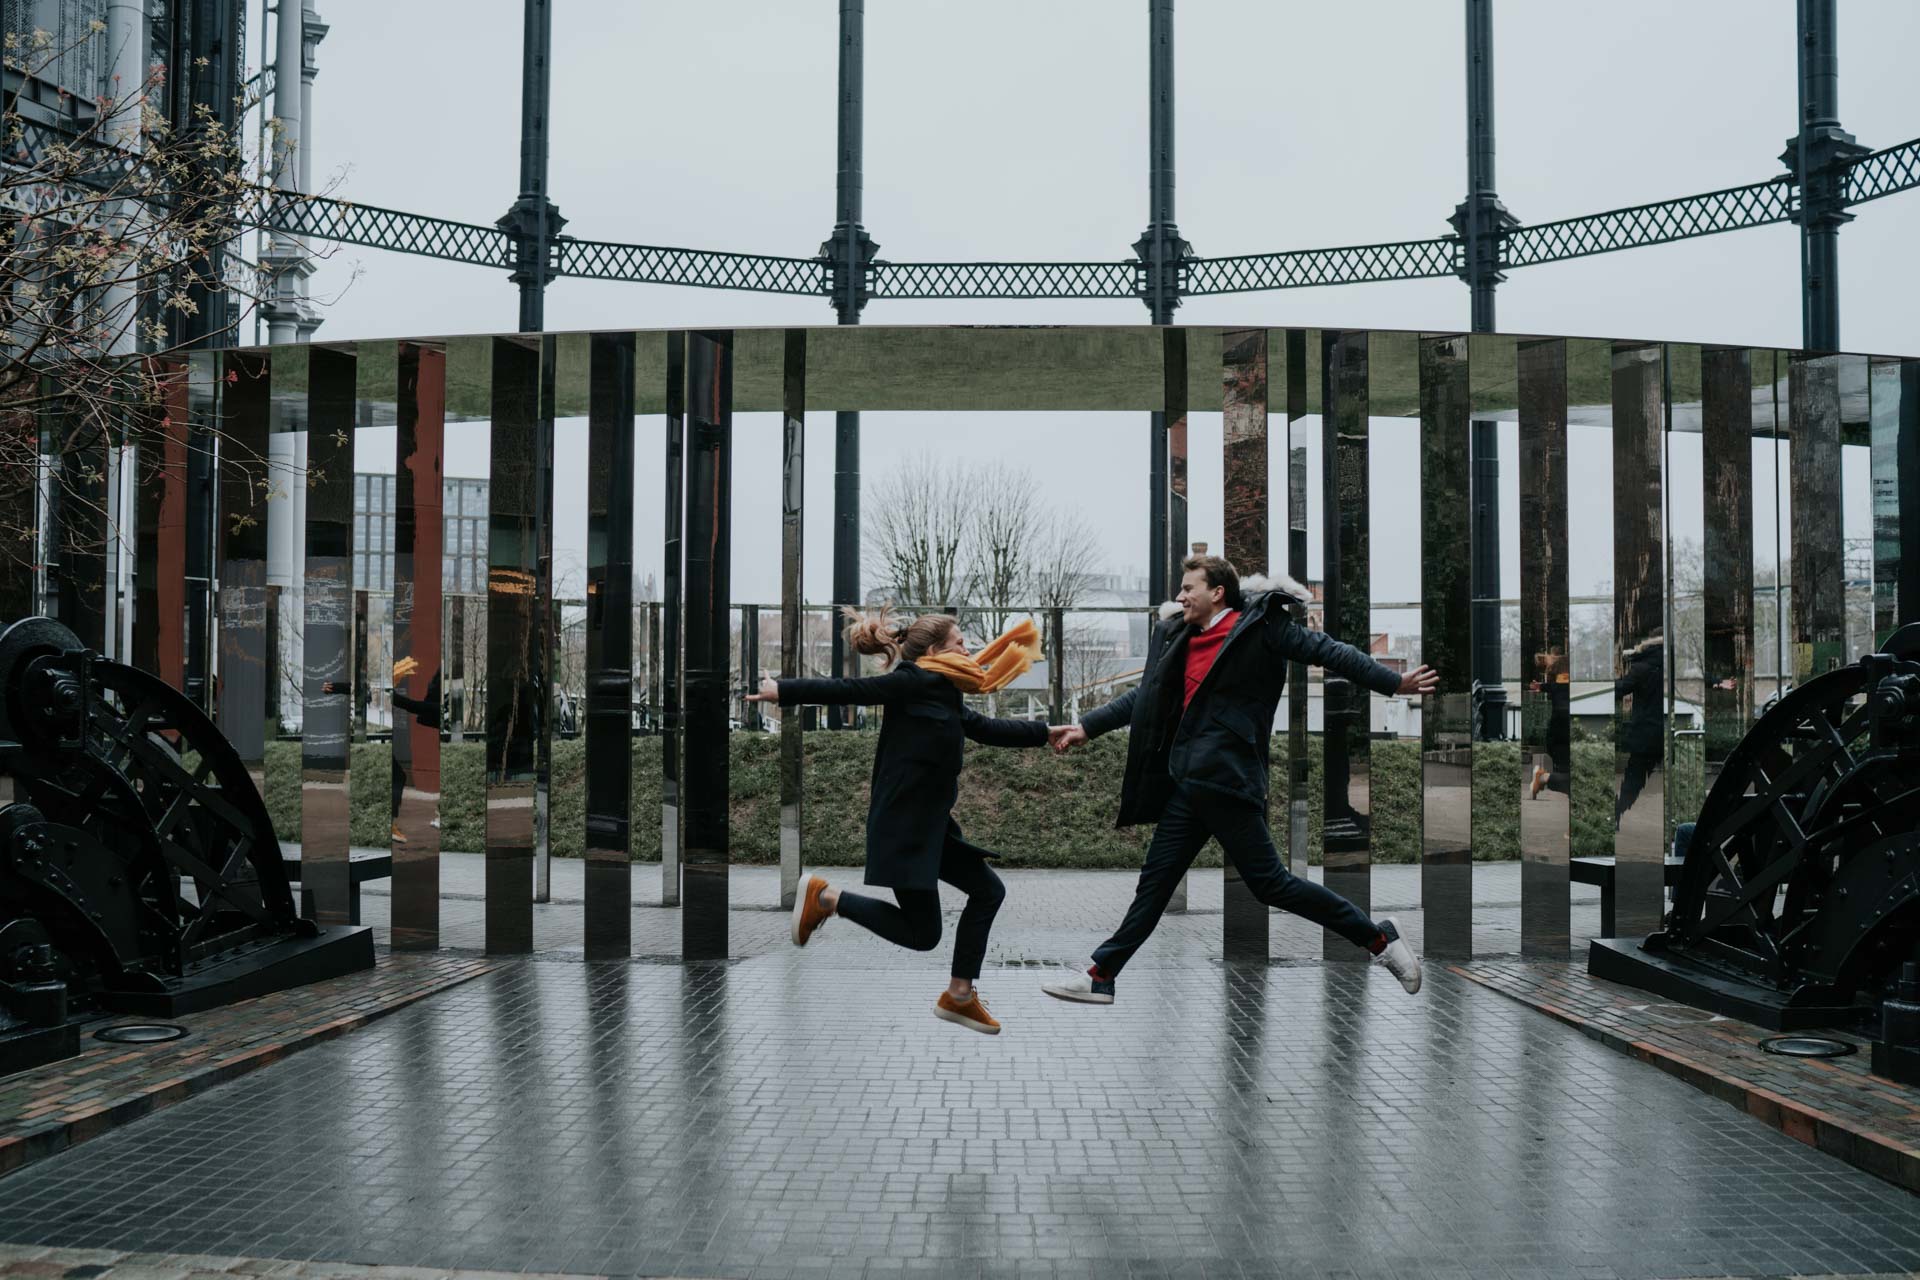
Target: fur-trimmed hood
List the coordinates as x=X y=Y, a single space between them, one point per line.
x=1252 y=585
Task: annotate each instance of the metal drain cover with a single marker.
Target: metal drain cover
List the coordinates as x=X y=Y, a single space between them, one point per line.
x=1807 y=1047
x=141 y=1033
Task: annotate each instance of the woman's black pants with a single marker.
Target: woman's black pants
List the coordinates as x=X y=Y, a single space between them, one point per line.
x=915 y=923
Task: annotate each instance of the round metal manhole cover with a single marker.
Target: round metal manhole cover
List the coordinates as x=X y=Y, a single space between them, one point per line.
x=1807 y=1047
x=141 y=1033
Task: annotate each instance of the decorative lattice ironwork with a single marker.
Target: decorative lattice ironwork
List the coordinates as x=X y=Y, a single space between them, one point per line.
x=1302 y=268
x=1757 y=204
x=1004 y=279
x=1753 y=205
x=323 y=218
x=699 y=268
x=1882 y=173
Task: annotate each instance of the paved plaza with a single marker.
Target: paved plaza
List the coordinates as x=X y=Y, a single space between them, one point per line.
x=801 y=1113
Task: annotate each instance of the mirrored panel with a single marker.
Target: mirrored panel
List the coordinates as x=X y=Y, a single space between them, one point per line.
x=1640 y=666
x=518 y=631
x=245 y=492
x=1817 y=599
x=1446 y=637
x=1725 y=580
x=1304 y=441
x=1243 y=379
x=327 y=690
x=709 y=460
x=1346 y=828
x=160 y=574
x=1546 y=721
x=1686 y=623
x=793 y=477
x=1896 y=494
x=418 y=531
x=609 y=727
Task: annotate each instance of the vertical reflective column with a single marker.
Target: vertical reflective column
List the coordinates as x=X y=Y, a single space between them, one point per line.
x=1446 y=636
x=1818 y=584
x=703 y=917
x=1243 y=378
x=793 y=400
x=1546 y=722
x=609 y=645
x=673 y=554
x=1726 y=568
x=242 y=681
x=204 y=375
x=1346 y=829
x=547 y=617
x=1302 y=375
x=1895 y=395
x=326 y=683
x=1174 y=347
x=1639 y=604
x=418 y=532
x=160 y=574
x=288 y=476
x=76 y=450
x=519 y=611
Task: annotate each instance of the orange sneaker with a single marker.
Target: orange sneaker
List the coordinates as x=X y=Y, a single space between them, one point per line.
x=808 y=914
x=971 y=1012
x=1539 y=781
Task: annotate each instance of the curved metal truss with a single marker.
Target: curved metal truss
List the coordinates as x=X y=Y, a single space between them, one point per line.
x=1880 y=173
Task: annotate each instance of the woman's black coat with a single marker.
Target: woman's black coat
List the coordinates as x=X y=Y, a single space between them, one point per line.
x=916 y=765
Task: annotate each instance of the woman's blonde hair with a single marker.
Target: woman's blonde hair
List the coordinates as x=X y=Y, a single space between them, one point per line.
x=878 y=633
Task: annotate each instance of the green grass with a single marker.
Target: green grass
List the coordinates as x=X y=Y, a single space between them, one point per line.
x=1035 y=808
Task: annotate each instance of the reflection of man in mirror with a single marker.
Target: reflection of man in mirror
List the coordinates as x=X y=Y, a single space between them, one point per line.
x=1642 y=686
x=1552 y=678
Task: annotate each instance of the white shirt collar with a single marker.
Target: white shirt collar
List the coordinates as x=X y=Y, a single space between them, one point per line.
x=1209 y=624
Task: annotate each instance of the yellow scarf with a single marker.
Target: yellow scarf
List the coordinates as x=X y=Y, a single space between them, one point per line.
x=994 y=667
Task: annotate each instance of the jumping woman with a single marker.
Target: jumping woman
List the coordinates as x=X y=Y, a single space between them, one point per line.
x=912 y=839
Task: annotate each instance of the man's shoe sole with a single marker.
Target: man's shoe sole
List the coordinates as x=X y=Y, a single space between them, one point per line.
x=960 y=1019
x=1079 y=997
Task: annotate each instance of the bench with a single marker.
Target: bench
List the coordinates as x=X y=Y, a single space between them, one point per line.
x=1600 y=871
x=362 y=865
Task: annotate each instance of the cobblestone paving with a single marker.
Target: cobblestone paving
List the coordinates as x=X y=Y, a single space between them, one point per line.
x=1835 y=1104
x=800 y=1113
x=20 y=1262
x=56 y=1105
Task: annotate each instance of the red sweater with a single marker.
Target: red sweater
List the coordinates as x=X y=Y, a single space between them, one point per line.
x=1202 y=649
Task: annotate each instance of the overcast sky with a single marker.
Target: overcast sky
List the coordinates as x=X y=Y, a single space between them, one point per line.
x=1002 y=130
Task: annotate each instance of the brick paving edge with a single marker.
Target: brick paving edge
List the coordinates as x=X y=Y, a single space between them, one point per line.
x=23 y=1149
x=1863 y=1149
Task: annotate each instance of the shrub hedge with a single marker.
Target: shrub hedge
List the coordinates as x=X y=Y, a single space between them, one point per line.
x=1035 y=808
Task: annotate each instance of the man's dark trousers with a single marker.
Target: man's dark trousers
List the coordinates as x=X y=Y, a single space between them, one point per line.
x=1192 y=815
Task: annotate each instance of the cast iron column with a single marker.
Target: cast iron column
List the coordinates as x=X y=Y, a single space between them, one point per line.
x=1818 y=156
x=1160 y=251
x=1481 y=220
x=847 y=255
x=533 y=222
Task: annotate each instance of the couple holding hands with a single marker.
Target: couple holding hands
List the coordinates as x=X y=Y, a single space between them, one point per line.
x=1200 y=719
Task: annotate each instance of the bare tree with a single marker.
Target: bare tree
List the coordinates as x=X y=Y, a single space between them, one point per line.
x=118 y=225
x=919 y=522
x=1067 y=556
x=1007 y=523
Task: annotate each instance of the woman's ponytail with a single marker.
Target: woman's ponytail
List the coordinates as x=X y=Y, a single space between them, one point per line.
x=874 y=633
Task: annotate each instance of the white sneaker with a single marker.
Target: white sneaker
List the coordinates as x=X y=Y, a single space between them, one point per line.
x=1081 y=986
x=1398 y=956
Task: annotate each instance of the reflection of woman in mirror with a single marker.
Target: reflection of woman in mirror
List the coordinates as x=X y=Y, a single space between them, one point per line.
x=1643 y=688
x=425 y=711
x=1551 y=677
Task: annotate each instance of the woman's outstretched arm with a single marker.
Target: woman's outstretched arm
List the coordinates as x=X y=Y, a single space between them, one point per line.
x=826 y=691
